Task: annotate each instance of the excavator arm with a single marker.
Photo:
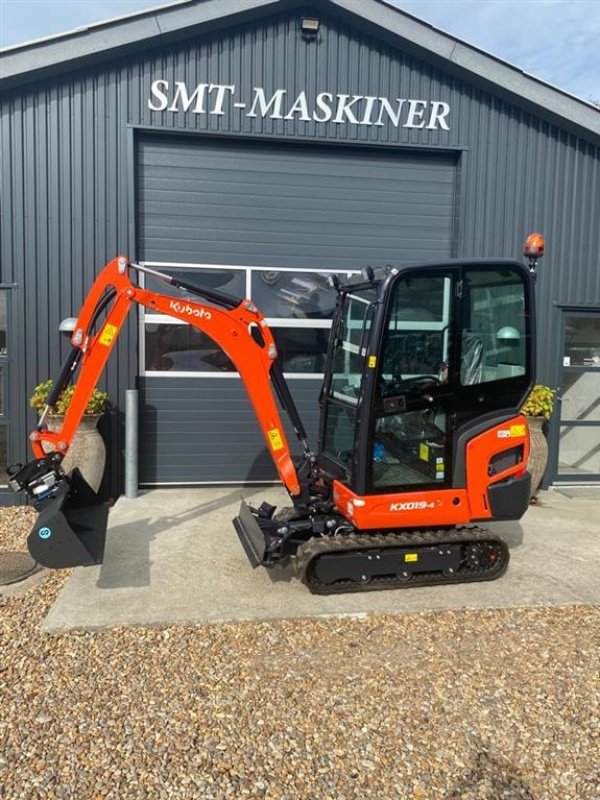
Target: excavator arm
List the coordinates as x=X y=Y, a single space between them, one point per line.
x=239 y=329
x=71 y=526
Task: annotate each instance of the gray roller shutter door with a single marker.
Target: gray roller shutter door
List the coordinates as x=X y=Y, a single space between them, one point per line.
x=222 y=202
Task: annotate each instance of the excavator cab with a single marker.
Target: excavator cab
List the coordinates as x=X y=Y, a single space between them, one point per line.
x=420 y=358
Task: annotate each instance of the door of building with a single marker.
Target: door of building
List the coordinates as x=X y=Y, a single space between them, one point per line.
x=576 y=424
x=269 y=221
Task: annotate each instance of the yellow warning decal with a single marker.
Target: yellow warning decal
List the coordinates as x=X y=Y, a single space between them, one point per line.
x=423 y=452
x=439 y=467
x=517 y=430
x=275 y=439
x=108 y=334
x=372 y=362
x=411 y=557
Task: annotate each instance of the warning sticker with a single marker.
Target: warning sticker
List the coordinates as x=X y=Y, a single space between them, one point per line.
x=372 y=362
x=512 y=432
x=423 y=452
x=275 y=439
x=439 y=467
x=108 y=334
x=411 y=557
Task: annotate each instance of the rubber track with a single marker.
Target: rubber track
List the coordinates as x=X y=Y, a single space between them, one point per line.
x=314 y=548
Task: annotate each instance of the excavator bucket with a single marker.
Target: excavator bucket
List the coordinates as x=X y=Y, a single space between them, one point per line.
x=70 y=530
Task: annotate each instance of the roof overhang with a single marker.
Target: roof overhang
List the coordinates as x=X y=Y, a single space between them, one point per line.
x=127 y=35
x=475 y=65
x=131 y=34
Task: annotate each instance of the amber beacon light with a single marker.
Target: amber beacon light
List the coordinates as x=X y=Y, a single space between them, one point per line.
x=533 y=249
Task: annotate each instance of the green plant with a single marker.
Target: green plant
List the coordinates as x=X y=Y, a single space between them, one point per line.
x=96 y=404
x=540 y=402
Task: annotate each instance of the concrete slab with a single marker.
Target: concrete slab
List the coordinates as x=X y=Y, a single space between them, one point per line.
x=172 y=556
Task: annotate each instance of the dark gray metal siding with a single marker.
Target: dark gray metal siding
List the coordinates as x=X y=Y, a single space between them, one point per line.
x=254 y=204
x=65 y=169
x=222 y=202
x=201 y=430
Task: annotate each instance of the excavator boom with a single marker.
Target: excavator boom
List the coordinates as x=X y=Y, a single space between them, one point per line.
x=238 y=328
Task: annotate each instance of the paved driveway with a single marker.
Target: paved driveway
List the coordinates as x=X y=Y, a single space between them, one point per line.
x=172 y=556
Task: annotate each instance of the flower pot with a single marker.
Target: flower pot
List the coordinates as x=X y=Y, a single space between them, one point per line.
x=87 y=450
x=538 y=454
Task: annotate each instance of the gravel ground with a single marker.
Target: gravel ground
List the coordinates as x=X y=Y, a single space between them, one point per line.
x=473 y=704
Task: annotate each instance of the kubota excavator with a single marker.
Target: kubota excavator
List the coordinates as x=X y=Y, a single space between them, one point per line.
x=420 y=432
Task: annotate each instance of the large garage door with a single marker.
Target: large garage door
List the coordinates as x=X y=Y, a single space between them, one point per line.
x=269 y=221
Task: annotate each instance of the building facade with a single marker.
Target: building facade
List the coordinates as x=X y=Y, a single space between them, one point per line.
x=258 y=146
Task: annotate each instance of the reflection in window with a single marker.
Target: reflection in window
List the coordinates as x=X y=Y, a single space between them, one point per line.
x=494 y=343
x=297 y=295
x=348 y=359
x=181 y=348
x=582 y=342
x=417 y=340
x=228 y=281
x=301 y=349
x=579 y=451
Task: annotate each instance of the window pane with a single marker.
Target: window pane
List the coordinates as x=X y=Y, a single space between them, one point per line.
x=181 y=348
x=494 y=342
x=339 y=433
x=348 y=360
x=3 y=348
x=301 y=349
x=1 y=391
x=580 y=392
x=582 y=341
x=417 y=337
x=579 y=450
x=229 y=281
x=296 y=295
x=410 y=448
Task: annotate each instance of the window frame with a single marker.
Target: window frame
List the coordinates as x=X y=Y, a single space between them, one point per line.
x=146 y=317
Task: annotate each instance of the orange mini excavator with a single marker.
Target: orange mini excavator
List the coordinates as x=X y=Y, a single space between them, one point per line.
x=420 y=431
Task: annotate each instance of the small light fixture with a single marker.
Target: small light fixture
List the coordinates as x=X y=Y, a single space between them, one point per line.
x=68 y=325
x=309 y=27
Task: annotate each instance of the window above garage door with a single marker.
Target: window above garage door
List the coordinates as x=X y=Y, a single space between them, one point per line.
x=298 y=306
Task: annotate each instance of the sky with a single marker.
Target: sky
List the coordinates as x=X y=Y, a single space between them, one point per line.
x=555 y=40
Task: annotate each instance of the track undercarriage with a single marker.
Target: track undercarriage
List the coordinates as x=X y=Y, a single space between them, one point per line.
x=331 y=557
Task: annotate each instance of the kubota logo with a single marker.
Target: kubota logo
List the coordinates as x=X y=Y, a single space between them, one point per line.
x=188 y=310
x=411 y=505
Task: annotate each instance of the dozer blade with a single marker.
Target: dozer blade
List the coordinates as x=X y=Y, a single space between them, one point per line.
x=250 y=535
x=70 y=530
